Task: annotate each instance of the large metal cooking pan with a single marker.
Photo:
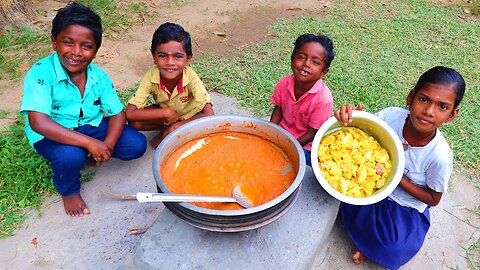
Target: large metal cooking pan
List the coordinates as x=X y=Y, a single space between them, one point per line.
x=232 y=220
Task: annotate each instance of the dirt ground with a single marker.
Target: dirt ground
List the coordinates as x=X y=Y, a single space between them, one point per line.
x=106 y=244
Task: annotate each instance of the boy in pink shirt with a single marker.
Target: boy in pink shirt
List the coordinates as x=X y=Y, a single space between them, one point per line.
x=302 y=100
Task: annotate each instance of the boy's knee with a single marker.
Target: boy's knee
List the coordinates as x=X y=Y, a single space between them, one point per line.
x=72 y=157
x=133 y=146
x=139 y=148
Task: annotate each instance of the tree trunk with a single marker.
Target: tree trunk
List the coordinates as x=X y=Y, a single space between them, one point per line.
x=15 y=13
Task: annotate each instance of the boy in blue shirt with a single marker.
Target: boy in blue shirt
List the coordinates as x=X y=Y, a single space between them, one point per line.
x=73 y=111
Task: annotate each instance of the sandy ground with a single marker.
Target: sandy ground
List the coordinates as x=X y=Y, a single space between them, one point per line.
x=53 y=240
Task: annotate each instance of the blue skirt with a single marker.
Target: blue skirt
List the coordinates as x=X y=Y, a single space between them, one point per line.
x=385 y=232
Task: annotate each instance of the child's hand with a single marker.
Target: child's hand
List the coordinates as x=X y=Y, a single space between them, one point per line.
x=171 y=128
x=344 y=114
x=170 y=117
x=99 y=150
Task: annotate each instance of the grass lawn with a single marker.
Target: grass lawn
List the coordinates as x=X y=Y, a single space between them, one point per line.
x=382 y=49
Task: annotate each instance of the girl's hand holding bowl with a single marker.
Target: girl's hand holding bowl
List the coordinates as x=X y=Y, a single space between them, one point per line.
x=381 y=132
x=344 y=114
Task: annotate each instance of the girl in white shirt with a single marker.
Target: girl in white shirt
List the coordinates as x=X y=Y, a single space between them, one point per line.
x=392 y=231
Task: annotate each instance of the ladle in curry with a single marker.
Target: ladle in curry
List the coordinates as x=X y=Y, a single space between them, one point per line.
x=237 y=197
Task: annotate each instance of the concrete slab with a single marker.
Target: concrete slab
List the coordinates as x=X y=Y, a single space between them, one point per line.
x=291 y=242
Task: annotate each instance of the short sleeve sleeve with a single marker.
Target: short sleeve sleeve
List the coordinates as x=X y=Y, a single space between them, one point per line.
x=276 y=98
x=199 y=91
x=382 y=114
x=111 y=104
x=36 y=93
x=140 y=98
x=439 y=172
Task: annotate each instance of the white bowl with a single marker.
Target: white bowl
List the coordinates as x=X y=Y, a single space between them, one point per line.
x=387 y=138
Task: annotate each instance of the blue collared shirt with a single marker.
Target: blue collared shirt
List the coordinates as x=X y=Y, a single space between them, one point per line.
x=48 y=89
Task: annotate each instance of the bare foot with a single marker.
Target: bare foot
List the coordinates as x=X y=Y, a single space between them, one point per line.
x=75 y=206
x=358 y=257
x=155 y=141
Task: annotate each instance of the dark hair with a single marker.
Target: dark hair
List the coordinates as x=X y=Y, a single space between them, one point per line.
x=325 y=41
x=171 y=31
x=444 y=76
x=78 y=14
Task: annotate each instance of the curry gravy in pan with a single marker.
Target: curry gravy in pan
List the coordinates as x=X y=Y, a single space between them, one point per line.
x=215 y=163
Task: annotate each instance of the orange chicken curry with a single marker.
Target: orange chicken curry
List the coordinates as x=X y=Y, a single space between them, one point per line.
x=215 y=163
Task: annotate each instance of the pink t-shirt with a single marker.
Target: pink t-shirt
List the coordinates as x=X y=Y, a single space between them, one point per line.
x=312 y=109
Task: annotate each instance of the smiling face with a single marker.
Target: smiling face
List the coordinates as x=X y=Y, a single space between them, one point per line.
x=76 y=48
x=432 y=106
x=171 y=58
x=308 y=63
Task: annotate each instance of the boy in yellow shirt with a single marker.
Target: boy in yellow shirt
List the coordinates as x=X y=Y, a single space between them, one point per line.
x=178 y=92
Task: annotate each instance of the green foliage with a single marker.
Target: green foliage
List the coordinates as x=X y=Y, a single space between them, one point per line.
x=25 y=177
x=87 y=175
x=382 y=49
x=13 y=46
x=116 y=17
x=4 y=113
x=23 y=37
x=126 y=93
x=175 y=3
x=473 y=255
x=473 y=6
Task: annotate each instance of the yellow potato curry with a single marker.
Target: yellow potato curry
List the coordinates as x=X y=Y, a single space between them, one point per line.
x=353 y=162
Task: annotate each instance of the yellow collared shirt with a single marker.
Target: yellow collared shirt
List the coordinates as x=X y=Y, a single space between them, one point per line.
x=187 y=103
